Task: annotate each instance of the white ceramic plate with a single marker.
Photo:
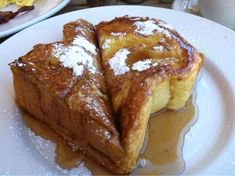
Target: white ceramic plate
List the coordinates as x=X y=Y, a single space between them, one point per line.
x=210 y=145
x=43 y=9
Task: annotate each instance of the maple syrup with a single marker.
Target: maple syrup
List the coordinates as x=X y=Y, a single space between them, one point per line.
x=162 y=151
x=64 y=156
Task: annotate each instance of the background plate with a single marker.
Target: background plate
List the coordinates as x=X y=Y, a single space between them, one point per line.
x=43 y=9
x=209 y=145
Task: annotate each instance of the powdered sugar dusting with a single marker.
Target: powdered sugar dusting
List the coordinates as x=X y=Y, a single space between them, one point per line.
x=118 y=62
x=80 y=29
x=81 y=41
x=47 y=149
x=75 y=56
x=165 y=25
x=27 y=142
x=21 y=64
x=81 y=170
x=149 y=63
x=148 y=27
x=142 y=65
x=106 y=44
x=158 y=48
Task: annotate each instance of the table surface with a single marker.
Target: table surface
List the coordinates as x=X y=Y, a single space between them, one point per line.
x=82 y=4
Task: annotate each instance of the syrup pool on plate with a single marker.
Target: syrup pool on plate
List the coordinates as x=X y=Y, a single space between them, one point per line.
x=161 y=153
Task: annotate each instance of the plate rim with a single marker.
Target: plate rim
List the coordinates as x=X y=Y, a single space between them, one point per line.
x=70 y=13
x=115 y=6
x=34 y=20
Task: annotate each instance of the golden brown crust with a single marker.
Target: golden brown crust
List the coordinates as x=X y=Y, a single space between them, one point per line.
x=160 y=71
x=78 y=104
x=79 y=28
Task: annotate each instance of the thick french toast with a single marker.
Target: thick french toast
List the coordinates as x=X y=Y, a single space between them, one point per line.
x=62 y=84
x=148 y=66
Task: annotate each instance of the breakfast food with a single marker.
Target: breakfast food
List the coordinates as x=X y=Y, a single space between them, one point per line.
x=8 y=15
x=21 y=3
x=62 y=84
x=147 y=66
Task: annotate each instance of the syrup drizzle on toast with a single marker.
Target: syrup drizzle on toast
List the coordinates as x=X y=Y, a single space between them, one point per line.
x=162 y=152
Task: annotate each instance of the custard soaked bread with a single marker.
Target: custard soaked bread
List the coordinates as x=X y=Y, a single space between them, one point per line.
x=148 y=66
x=62 y=84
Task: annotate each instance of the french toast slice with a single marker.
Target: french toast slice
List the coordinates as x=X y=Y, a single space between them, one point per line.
x=148 y=67
x=62 y=84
